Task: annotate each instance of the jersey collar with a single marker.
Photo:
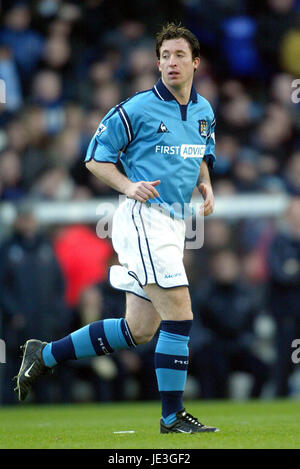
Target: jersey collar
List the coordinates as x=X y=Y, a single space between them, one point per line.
x=162 y=92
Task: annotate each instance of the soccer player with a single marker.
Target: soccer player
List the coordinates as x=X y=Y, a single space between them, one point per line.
x=165 y=140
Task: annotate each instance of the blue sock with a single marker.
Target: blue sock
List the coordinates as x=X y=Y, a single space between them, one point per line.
x=171 y=363
x=97 y=338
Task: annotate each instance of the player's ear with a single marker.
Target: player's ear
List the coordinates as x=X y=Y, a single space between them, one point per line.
x=196 y=63
x=158 y=65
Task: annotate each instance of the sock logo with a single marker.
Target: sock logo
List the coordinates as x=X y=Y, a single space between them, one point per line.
x=181 y=362
x=103 y=348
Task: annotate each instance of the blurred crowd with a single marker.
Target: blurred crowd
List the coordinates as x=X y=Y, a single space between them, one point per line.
x=65 y=64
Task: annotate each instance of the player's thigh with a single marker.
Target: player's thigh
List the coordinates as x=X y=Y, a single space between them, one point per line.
x=171 y=303
x=142 y=318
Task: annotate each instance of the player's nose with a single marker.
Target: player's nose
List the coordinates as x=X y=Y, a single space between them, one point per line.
x=173 y=61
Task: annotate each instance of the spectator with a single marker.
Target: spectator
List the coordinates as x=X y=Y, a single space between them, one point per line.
x=17 y=138
x=105 y=97
x=26 y=44
x=239 y=116
x=98 y=16
x=32 y=293
x=217 y=234
x=227 y=310
x=281 y=89
x=273 y=23
x=274 y=133
x=83 y=257
x=207 y=87
x=54 y=183
x=289 y=49
x=66 y=147
x=10 y=76
x=292 y=174
x=33 y=140
x=245 y=172
x=48 y=94
x=142 y=61
x=10 y=176
x=239 y=48
x=284 y=293
x=227 y=148
x=142 y=82
x=57 y=57
x=128 y=36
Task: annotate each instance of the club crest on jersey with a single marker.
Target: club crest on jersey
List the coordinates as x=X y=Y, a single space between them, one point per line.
x=162 y=128
x=203 y=127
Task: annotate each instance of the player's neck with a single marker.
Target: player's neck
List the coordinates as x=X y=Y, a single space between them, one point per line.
x=181 y=93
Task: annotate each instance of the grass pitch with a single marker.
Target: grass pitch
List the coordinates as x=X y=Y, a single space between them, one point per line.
x=256 y=424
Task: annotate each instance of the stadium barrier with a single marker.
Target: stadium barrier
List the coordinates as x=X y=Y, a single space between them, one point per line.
x=63 y=212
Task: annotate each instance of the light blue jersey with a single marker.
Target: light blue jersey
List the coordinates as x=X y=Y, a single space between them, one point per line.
x=157 y=138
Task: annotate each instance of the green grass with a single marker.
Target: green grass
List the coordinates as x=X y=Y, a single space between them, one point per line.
x=256 y=424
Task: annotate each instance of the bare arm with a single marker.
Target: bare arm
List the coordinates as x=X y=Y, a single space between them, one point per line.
x=110 y=175
x=204 y=186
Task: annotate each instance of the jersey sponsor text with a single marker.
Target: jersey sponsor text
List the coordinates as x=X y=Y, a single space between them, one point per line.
x=184 y=150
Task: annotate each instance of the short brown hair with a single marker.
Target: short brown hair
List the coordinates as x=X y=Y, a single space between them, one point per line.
x=174 y=31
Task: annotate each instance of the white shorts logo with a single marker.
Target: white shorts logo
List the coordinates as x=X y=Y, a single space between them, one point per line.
x=192 y=151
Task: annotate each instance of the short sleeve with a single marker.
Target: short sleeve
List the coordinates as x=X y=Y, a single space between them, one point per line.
x=110 y=138
x=209 y=156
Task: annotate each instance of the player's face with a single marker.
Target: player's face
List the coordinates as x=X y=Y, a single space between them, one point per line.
x=176 y=63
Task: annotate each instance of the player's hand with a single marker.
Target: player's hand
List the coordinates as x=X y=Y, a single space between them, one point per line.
x=142 y=190
x=209 y=202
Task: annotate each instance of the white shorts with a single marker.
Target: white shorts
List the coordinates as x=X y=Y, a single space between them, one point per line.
x=150 y=245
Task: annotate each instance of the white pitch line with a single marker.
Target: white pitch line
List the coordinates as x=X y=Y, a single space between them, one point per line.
x=127 y=431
